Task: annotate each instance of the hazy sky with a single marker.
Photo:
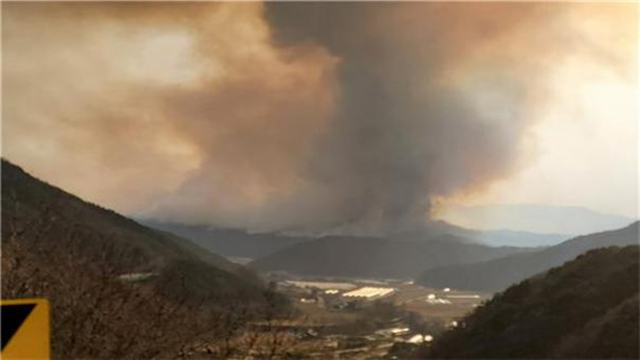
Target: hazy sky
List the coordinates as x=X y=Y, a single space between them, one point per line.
x=583 y=150
x=322 y=116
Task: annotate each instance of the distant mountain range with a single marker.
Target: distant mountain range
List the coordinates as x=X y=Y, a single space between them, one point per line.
x=534 y=218
x=367 y=257
x=499 y=273
x=586 y=308
x=230 y=242
x=441 y=253
x=485 y=237
x=234 y=243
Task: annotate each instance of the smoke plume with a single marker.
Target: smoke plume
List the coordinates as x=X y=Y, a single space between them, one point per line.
x=348 y=117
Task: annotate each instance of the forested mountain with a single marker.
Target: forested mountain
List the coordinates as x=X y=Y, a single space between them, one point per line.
x=586 y=308
x=499 y=273
x=117 y=288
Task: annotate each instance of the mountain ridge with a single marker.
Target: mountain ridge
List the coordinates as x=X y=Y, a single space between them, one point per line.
x=499 y=273
x=237 y=243
x=375 y=257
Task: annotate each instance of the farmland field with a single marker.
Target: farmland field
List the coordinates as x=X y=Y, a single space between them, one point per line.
x=356 y=318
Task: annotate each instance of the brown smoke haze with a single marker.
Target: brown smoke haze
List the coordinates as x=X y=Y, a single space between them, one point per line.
x=288 y=116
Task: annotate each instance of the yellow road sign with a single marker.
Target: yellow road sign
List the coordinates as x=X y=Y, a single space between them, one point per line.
x=25 y=329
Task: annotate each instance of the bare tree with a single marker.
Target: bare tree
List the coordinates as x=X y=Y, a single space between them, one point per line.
x=98 y=315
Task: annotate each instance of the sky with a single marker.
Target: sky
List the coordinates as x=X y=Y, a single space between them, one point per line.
x=355 y=117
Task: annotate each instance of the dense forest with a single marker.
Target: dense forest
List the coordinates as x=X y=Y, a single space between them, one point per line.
x=587 y=308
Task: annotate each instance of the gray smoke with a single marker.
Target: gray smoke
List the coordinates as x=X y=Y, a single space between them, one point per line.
x=301 y=117
x=400 y=135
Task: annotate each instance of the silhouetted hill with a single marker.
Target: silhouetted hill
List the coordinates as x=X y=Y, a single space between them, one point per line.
x=39 y=215
x=230 y=242
x=241 y=244
x=119 y=289
x=587 y=308
x=499 y=273
x=375 y=257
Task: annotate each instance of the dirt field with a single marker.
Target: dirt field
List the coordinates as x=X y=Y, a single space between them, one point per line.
x=416 y=298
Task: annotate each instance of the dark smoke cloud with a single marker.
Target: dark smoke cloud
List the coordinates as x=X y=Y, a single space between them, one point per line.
x=308 y=117
x=402 y=134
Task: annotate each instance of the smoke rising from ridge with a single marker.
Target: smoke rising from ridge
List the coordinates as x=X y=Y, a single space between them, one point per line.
x=348 y=117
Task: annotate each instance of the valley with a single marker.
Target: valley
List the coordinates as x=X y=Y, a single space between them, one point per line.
x=279 y=180
x=357 y=318
x=334 y=297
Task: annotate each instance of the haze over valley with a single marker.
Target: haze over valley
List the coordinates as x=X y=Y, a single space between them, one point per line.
x=345 y=180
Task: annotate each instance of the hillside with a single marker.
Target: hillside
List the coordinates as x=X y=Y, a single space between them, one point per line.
x=586 y=308
x=28 y=202
x=117 y=288
x=499 y=273
x=375 y=257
